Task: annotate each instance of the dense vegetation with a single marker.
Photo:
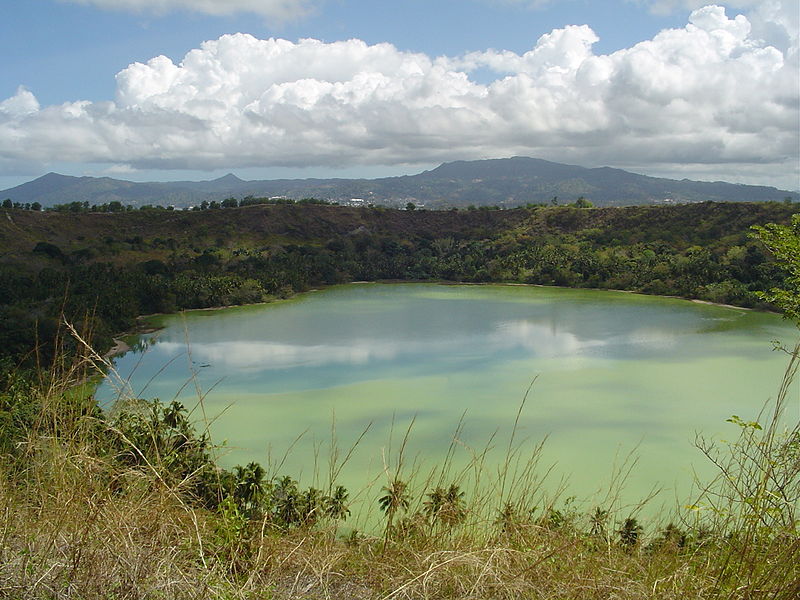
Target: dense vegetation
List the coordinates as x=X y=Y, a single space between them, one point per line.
x=103 y=270
x=132 y=504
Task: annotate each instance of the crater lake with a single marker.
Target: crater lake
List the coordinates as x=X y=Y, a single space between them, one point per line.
x=616 y=385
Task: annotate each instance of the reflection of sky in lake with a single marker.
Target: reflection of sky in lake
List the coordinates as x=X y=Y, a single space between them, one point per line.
x=518 y=337
x=525 y=336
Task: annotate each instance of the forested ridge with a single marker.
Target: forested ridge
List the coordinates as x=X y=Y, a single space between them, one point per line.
x=504 y=181
x=102 y=270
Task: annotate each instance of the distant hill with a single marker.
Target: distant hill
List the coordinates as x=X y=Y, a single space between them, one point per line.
x=504 y=182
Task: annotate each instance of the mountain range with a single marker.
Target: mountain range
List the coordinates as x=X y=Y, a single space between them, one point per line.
x=503 y=182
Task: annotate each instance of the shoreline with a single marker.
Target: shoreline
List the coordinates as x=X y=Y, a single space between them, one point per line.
x=119 y=347
x=709 y=303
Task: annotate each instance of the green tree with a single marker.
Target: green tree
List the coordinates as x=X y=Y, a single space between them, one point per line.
x=629 y=532
x=446 y=505
x=583 y=203
x=783 y=241
x=286 y=500
x=395 y=499
x=336 y=504
x=598 y=521
x=250 y=487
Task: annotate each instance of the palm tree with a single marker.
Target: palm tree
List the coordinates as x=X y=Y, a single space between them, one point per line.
x=508 y=518
x=435 y=502
x=446 y=505
x=396 y=498
x=287 y=501
x=336 y=504
x=629 y=532
x=173 y=415
x=249 y=489
x=598 y=522
x=311 y=503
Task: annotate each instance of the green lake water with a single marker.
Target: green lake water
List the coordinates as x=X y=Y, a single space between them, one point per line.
x=614 y=374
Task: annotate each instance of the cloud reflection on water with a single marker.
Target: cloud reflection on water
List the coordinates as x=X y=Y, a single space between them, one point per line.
x=528 y=337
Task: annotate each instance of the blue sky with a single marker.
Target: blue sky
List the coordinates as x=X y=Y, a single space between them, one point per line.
x=662 y=87
x=63 y=51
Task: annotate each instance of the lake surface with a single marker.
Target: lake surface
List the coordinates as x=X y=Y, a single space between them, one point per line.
x=613 y=374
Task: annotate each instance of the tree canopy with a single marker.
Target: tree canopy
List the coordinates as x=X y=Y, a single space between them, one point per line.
x=784 y=243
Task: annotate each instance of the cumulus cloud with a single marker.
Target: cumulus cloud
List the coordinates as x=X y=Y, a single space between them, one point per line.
x=21 y=104
x=703 y=95
x=272 y=9
x=775 y=21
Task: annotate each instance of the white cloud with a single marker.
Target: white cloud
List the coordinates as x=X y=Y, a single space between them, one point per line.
x=273 y=9
x=690 y=99
x=117 y=170
x=777 y=22
x=21 y=104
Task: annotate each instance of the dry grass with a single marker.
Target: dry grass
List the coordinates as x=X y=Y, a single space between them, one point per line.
x=76 y=523
x=66 y=534
x=83 y=542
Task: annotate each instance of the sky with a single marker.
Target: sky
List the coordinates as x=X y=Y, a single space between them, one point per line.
x=159 y=90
